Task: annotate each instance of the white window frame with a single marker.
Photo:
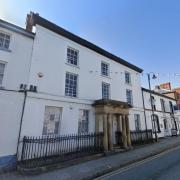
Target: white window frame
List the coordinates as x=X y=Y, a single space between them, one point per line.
x=80 y=128
x=67 y=94
x=2 y=62
x=109 y=93
x=108 y=69
x=129 y=90
x=129 y=81
x=67 y=60
x=6 y=34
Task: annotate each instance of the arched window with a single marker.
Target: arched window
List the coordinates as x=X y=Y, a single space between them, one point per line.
x=156 y=125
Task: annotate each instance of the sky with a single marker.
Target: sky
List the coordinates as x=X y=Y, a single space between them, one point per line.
x=145 y=33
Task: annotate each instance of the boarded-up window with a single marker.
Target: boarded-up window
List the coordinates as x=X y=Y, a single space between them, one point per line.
x=83 y=121
x=52 y=118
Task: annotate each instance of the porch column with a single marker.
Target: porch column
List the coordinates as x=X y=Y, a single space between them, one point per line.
x=128 y=131
x=119 y=129
x=97 y=119
x=124 y=136
x=105 y=131
x=119 y=123
x=110 y=138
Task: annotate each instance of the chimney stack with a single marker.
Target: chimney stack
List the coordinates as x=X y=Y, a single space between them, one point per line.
x=30 y=21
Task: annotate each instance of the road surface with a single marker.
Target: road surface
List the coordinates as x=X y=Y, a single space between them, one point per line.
x=165 y=166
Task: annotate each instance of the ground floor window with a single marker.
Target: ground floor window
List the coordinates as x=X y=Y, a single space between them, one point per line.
x=156 y=123
x=52 y=118
x=137 y=122
x=174 y=124
x=2 y=67
x=83 y=124
x=165 y=124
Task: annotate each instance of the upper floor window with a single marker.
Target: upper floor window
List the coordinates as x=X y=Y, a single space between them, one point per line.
x=104 y=69
x=162 y=105
x=72 y=56
x=127 y=77
x=129 y=96
x=2 y=67
x=4 y=40
x=71 y=85
x=153 y=101
x=171 y=107
x=105 y=91
x=83 y=122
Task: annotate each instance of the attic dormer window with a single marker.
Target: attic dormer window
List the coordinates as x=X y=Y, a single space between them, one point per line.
x=4 y=40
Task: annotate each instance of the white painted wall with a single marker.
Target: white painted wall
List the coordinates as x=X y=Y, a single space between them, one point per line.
x=17 y=60
x=159 y=112
x=49 y=58
x=10 y=115
x=35 y=108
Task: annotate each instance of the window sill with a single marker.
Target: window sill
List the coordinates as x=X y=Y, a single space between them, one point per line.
x=105 y=76
x=72 y=65
x=129 y=84
x=70 y=97
x=4 y=49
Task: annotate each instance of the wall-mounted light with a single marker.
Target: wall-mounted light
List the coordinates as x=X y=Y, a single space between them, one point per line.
x=40 y=74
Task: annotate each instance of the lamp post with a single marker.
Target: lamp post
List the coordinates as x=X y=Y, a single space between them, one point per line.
x=152 y=108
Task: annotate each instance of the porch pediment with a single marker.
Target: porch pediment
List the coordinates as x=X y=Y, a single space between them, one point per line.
x=111 y=106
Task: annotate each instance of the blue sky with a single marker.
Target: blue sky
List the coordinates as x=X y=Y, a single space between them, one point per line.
x=143 y=32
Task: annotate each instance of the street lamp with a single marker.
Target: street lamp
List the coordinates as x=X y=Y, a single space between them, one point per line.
x=152 y=117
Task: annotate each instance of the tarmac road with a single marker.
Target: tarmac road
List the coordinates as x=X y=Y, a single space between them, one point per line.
x=165 y=166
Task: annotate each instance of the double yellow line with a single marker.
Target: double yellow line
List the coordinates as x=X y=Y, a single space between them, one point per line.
x=133 y=165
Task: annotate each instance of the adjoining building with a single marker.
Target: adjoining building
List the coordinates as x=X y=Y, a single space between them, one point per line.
x=160 y=115
x=15 y=59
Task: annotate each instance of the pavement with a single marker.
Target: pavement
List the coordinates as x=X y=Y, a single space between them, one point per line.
x=164 y=166
x=98 y=167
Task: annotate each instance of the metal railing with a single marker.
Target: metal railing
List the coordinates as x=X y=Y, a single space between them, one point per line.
x=60 y=148
x=137 y=137
x=141 y=137
x=174 y=132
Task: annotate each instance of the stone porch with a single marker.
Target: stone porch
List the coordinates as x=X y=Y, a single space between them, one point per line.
x=108 y=112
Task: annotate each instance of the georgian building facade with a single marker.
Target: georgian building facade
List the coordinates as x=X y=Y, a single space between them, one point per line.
x=54 y=83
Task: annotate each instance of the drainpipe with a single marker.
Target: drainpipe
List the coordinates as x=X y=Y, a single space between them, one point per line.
x=144 y=113
x=21 y=121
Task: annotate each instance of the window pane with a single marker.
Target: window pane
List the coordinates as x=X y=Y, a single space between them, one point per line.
x=104 y=69
x=71 y=85
x=129 y=96
x=72 y=56
x=105 y=91
x=4 y=40
x=127 y=78
x=2 y=66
